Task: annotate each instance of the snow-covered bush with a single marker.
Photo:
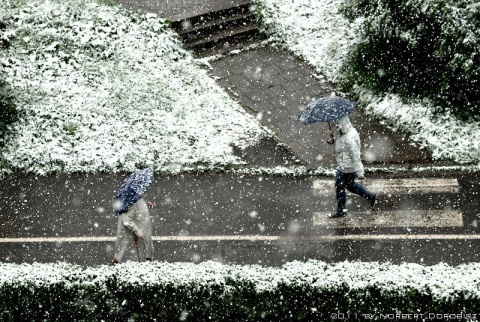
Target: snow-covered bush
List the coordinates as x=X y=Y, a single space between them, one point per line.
x=419 y=47
x=210 y=291
x=318 y=32
x=8 y=110
x=104 y=88
x=6 y=35
x=312 y=30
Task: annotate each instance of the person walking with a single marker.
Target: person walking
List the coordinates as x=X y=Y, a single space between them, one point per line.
x=350 y=167
x=134 y=234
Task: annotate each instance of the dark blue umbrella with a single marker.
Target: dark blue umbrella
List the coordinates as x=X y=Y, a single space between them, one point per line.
x=326 y=109
x=132 y=189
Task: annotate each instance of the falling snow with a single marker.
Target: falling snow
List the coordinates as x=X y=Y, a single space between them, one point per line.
x=317 y=32
x=101 y=88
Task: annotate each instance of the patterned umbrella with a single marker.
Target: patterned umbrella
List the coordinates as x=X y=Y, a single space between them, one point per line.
x=326 y=109
x=132 y=189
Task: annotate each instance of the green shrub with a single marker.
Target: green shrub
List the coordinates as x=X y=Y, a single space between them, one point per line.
x=8 y=110
x=418 y=48
x=210 y=291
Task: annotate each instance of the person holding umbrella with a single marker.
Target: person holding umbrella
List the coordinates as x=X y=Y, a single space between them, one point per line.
x=347 y=153
x=134 y=228
x=347 y=147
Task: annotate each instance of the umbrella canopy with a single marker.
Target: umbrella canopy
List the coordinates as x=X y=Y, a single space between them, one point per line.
x=326 y=109
x=132 y=189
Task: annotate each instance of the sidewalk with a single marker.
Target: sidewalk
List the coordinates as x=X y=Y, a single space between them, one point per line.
x=266 y=220
x=180 y=9
x=275 y=86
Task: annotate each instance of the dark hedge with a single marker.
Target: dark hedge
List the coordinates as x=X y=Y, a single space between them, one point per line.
x=418 y=48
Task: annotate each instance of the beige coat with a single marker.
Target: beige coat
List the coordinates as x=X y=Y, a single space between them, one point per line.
x=135 y=220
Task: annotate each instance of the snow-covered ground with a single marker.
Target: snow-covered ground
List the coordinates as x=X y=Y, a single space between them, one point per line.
x=101 y=88
x=315 y=31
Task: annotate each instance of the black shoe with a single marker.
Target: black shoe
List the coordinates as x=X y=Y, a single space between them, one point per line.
x=337 y=215
x=373 y=201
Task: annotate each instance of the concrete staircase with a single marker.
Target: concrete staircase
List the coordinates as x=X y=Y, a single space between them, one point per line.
x=219 y=31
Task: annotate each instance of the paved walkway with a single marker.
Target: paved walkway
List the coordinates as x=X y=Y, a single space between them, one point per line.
x=243 y=219
x=276 y=86
x=179 y=9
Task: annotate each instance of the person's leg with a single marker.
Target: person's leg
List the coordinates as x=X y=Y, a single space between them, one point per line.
x=117 y=250
x=124 y=243
x=358 y=189
x=149 y=249
x=340 y=185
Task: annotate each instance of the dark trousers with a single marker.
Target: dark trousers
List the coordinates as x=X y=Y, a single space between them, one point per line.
x=347 y=181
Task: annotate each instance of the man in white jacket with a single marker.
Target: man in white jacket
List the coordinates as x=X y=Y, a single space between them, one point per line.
x=347 y=152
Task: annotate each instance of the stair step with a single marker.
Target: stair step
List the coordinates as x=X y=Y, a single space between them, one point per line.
x=236 y=44
x=222 y=30
x=231 y=27
x=206 y=10
x=225 y=34
x=187 y=27
x=211 y=16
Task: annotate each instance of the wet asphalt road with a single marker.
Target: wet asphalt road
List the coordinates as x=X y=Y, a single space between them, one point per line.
x=229 y=218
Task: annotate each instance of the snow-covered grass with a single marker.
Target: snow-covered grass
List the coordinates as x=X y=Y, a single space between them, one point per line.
x=302 y=171
x=315 y=31
x=210 y=291
x=102 y=88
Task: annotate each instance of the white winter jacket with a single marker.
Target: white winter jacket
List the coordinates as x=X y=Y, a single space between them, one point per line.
x=347 y=149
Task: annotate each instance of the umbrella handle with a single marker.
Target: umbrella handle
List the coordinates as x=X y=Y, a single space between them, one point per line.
x=331 y=140
x=136 y=248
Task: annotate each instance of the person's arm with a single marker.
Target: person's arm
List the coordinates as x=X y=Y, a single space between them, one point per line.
x=129 y=223
x=356 y=156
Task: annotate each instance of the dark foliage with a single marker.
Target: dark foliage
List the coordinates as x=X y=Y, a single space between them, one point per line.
x=418 y=48
x=8 y=110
